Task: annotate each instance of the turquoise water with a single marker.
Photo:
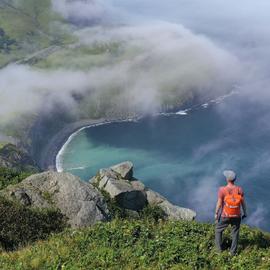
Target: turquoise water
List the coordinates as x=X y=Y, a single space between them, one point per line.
x=183 y=156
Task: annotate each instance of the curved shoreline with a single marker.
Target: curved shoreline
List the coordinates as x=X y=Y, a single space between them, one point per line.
x=57 y=144
x=59 y=141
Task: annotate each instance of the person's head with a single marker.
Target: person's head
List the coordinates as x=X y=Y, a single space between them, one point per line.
x=230 y=176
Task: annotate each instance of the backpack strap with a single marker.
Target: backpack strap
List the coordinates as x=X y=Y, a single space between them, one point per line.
x=230 y=191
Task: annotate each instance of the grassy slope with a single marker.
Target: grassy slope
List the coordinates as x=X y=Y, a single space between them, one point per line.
x=80 y=57
x=83 y=57
x=141 y=245
x=2 y=144
x=33 y=25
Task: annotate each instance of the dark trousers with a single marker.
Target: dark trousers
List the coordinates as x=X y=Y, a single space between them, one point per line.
x=222 y=224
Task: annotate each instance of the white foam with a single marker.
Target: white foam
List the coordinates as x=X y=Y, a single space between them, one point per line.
x=205 y=105
x=77 y=168
x=182 y=112
x=59 y=159
x=59 y=156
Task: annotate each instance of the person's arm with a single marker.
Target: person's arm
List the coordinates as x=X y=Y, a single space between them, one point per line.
x=218 y=207
x=244 y=207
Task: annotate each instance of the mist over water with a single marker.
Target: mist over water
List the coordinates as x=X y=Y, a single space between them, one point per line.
x=183 y=156
x=167 y=50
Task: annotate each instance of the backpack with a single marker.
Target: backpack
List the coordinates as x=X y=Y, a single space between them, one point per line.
x=232 y=204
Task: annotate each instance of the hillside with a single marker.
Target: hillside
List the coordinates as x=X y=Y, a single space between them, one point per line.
x=27 y=26
x=141 y=244
x=41 y=238
x=117 y=71
x=37 y=234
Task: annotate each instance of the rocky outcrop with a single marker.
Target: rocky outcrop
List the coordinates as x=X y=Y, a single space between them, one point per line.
x=131 y=194
x=79 y=201
x=83 y=204
x=126 y=194
x=172 y=211
x=124 y=169
x=14 y=158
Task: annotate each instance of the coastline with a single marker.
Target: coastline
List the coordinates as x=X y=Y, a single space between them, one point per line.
x=57 y=144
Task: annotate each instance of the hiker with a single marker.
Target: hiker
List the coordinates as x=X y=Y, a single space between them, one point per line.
x=228 y=211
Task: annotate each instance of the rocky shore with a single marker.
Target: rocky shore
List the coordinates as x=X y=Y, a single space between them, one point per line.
x=84 y=203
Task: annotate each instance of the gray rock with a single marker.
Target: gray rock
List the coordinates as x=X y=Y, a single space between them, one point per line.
x=21 y=196
x=173 y=212
x=124 y=169
x=28 y=196
x=104 y=176
x=115 y=187
x=79 y=201
x=125 y=194
x=132 y=194
x=128 y=194
x=138 y=185
x=133 y=200
x=154 y=198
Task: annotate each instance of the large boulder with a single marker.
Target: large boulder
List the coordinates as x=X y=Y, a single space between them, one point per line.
x=124 y=169
x=173 y=212
x=79 y=201
x=124 y=192
x=132 y=194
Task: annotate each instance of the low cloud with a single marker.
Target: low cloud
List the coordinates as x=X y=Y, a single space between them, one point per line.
x=257 y=218
x=82 y=11
x=200 y=199
x=153 y=62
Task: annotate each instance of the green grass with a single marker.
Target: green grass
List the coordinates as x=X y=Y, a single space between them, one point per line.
x=32 y=25
x=21 y=225
x=2 y=144
x=80 y=58
x=141 y=244
x=11 y=177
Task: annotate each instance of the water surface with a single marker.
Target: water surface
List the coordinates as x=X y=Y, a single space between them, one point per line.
x=183 y=156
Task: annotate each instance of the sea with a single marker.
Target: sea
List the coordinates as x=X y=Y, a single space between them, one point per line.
x=183 y=154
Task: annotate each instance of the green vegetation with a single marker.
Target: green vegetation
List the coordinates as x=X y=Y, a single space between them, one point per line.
x=11 y=177
x=31 y=17
x=17 y=159
x=81 y=57
x=141 y=244
x=2 y=144
x=151 y=213
x=28 y=26
x=6 y=43
x=143 y=240
x=21 y=225
x=48 y=197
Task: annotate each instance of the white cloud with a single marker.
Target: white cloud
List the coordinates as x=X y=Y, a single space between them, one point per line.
x=257 y=217
x=158 y=60
x=82 y=10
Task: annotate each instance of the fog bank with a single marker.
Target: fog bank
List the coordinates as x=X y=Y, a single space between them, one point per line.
x=154 y=63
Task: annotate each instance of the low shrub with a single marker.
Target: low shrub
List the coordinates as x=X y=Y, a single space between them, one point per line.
x=11 y=176
x=142 y=244
x=6 y=43
x=154 y=213
x=21 y=225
